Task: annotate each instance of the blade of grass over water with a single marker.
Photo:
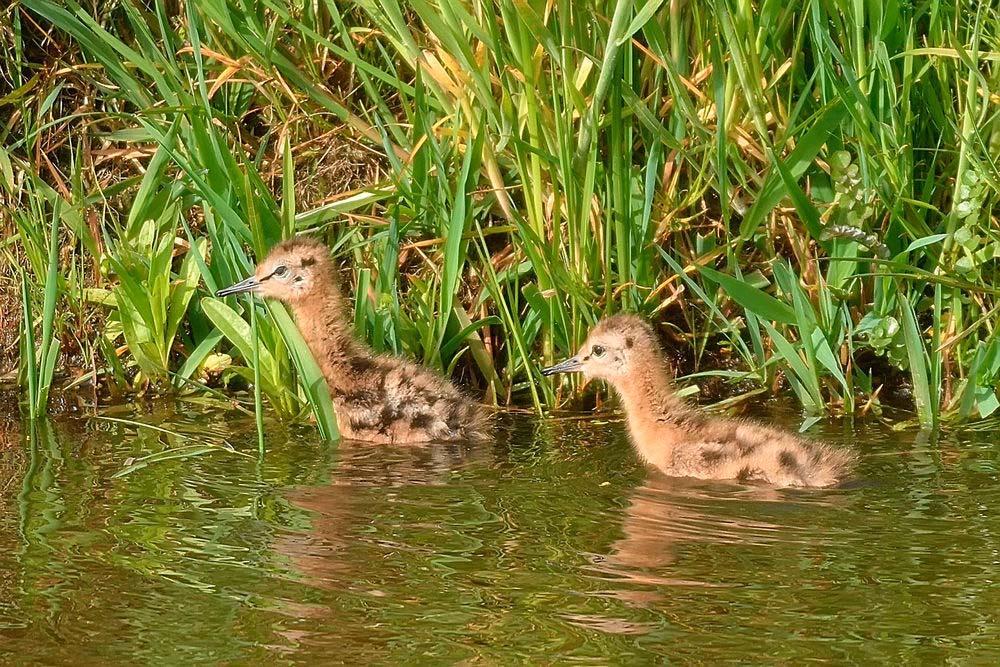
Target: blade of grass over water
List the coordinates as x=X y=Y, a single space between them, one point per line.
x=190 y=446
x=38 y=362
x=29 y=363
x=801 y=195
x=310 y=376
x=49 y=350
x=258 y=403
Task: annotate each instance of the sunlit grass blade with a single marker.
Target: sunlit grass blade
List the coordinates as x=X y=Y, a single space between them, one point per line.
x=29 y=363
x=258 y=402
x=310 y=376
x=924 y=395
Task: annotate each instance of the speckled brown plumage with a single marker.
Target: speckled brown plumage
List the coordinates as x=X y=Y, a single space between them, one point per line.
x=376 y=398
x=682 y=441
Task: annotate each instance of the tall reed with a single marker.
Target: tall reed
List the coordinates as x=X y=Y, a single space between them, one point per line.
x=801 y=193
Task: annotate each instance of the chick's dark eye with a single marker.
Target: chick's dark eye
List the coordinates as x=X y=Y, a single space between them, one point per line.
x=597 y=351
x=280 y=271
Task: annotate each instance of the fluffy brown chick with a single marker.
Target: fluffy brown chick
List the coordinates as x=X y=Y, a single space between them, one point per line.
x=376 y=398
x=679 y=439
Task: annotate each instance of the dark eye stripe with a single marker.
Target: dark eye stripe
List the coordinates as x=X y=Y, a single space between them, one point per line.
x=280 y=269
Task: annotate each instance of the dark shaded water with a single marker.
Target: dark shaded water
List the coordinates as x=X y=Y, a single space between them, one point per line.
x=551 y=545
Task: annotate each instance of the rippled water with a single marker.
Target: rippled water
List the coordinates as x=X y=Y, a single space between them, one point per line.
x=550 y=545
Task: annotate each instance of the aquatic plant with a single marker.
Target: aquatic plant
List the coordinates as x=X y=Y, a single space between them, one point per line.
x=800 y=193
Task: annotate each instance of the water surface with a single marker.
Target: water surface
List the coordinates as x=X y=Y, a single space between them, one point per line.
x=551 y=544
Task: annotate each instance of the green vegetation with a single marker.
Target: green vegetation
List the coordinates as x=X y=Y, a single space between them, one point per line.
x=800 y=192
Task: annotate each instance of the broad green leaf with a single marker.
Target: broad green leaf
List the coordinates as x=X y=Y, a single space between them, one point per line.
x=759 y=302
x=798 y=367
x=798 y=161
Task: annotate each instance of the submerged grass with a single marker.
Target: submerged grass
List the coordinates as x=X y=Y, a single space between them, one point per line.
x=801 y=193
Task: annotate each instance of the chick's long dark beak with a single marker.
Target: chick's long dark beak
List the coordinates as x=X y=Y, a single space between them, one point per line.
x=249 y=285
x=571 y=365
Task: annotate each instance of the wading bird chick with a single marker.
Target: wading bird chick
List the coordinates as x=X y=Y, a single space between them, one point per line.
x=680 y=440
x=376 y=398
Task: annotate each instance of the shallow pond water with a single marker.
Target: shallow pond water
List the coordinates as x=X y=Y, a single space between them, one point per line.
x=550 y=545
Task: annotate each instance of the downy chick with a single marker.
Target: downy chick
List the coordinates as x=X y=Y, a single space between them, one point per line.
x=679 y=439
x=376 y=398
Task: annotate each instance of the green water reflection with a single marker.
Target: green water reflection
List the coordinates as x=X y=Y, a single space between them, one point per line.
x=551 y=544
